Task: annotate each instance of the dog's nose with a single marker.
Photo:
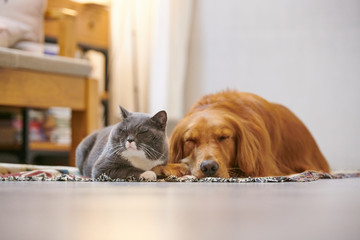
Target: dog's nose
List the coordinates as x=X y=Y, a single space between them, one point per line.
x=209 y=167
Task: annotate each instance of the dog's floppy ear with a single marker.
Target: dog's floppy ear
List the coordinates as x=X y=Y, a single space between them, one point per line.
x=254 y=156
x=176 y=145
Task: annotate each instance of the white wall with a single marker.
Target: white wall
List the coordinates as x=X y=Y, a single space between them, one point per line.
x=303 y=54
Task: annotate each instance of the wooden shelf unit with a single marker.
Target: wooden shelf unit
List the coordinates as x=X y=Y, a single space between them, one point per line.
x=92 y=32
x=38 y=146
x=49 y=146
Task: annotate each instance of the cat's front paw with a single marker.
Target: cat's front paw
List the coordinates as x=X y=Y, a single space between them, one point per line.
x=148 y=176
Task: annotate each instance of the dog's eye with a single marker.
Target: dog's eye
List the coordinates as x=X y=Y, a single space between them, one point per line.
x=222 y=138
x=190 y=140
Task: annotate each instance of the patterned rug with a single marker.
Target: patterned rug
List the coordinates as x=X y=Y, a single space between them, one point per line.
x=24 y=172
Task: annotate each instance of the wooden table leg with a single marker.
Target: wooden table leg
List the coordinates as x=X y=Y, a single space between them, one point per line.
x=85 y=122
x=25 y=136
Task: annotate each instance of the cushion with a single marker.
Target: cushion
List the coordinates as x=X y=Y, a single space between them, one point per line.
x=22 y=21
x=13 y=58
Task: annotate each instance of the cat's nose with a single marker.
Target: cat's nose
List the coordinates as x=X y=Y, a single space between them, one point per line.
x=130 y=139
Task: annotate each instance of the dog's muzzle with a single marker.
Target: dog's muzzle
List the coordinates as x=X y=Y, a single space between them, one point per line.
x=209 y=167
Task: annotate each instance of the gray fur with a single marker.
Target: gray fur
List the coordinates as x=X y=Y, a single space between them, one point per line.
x=104 y=151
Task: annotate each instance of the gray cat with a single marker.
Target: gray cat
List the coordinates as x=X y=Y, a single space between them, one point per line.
x=131 y=147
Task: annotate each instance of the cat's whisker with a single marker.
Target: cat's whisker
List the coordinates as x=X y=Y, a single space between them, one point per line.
x=149 y=148
x=151 y=151
x=120 y=150
x=148 y=151
x=116 y=150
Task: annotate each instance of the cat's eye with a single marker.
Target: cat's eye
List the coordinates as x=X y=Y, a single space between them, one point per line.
x=143 y=130
x=123 y=129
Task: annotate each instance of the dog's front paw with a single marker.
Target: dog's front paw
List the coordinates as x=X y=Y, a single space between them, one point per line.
x=172 y=169
x=148 y=176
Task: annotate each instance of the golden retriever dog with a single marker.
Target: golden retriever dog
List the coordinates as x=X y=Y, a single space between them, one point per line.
x=236 y=134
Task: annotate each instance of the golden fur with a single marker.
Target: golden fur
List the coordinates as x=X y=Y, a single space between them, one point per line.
x=245 y=135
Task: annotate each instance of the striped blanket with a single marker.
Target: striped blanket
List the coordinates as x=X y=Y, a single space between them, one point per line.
x=25 y=172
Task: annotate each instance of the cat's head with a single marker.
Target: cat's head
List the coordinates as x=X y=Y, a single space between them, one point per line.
x=159 y=120
x=140 y=133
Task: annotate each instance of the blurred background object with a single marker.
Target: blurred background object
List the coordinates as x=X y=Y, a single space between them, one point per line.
x=34 y=83
x=21 y=24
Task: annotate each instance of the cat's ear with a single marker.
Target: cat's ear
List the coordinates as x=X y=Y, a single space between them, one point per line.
x=124 y=112
x=160 y=119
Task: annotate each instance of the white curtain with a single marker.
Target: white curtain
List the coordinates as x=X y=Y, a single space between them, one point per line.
x=148 y=58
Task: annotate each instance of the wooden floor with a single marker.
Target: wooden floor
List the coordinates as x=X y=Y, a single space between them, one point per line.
x=325 y=209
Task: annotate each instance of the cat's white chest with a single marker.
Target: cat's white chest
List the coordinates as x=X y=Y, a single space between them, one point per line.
x=138 y=159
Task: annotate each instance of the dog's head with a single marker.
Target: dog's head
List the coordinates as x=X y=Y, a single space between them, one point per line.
x=221 y=143
x=207 y=141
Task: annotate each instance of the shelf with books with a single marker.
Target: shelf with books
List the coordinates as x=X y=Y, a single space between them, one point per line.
x=28 y=133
